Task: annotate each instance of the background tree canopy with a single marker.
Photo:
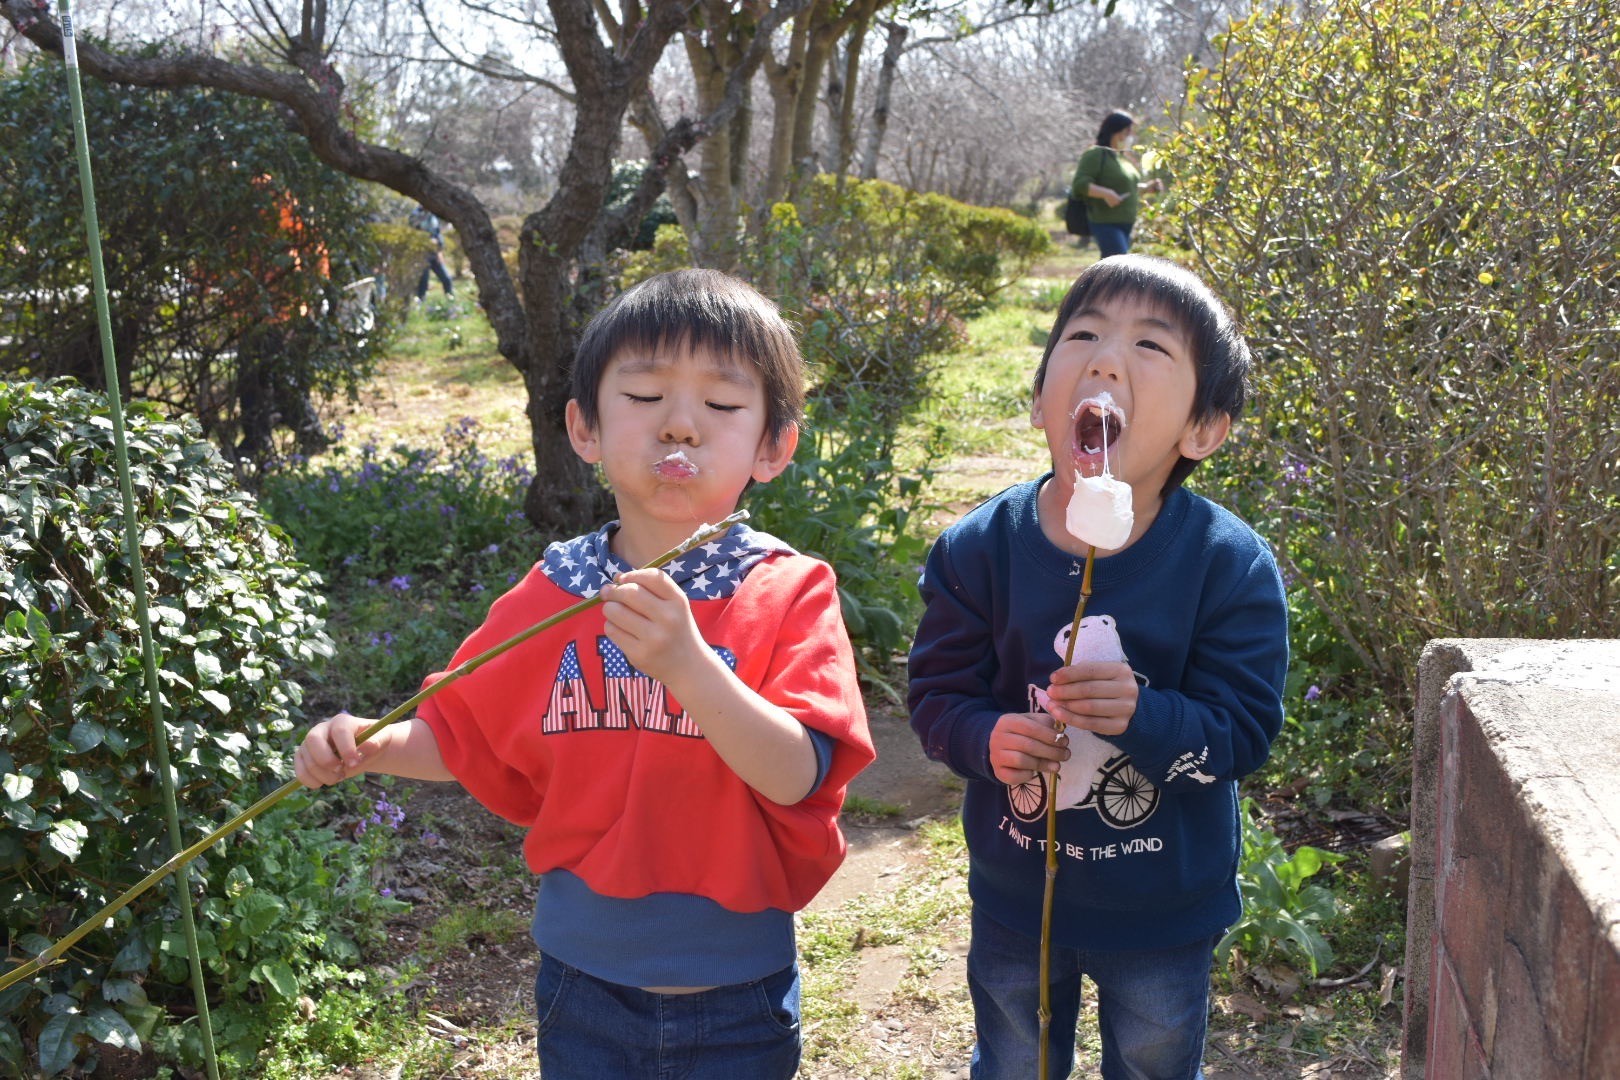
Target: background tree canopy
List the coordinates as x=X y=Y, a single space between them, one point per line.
x=350 y=86
x=228 y=247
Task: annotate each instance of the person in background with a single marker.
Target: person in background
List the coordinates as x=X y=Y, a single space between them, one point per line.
x=1110 y=181
x=680 y=752
x=429 y=223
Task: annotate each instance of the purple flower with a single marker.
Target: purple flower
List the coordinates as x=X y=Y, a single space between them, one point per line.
x=386 y=891
x=401 y=583
x=1313 y=693
x=493 y=549
x=476 y=588
x=385 y=812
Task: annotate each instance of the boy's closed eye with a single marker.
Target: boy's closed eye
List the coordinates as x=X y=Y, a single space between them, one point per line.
x=653 y=399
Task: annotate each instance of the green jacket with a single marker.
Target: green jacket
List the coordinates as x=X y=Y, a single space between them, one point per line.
x=1103 y=166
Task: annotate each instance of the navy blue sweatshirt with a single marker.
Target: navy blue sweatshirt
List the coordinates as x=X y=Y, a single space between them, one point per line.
x=1149 y=860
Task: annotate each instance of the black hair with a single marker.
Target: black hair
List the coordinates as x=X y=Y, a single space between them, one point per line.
x=1114 y=123
x=696 y=309
x=1221 y=357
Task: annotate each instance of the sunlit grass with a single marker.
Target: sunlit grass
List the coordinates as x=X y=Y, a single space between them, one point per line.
x=443 y=365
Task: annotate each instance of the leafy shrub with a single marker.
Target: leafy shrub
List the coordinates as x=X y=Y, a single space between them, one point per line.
x=296 y=908
x=402 y=251
x=626 y=177
x=1282 y=913
x=228 y=246
x=845 y=500
x=1432 y=302
x=416 y=544
x=235 y=619
x=404 y=512
x=972 y=252
x=877 y=277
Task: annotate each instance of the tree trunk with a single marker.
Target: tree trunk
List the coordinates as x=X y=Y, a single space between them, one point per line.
x=841 y=109
x=786 y=82
x=892 y=50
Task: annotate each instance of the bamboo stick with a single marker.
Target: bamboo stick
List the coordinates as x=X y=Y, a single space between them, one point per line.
x=1044 y=1015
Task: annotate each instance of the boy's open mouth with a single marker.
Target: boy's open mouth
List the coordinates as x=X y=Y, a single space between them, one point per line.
x=1098 y=423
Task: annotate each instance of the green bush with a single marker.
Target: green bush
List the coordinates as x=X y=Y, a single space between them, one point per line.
x=391 y=516
x=235 y=619
x=880 y=278
x=228 y=247
x=1283 y=914
x=845 y=500
x=626 y=178
x=415 y=544
x=972 y=252
x=402 y=251
x=1413 y=208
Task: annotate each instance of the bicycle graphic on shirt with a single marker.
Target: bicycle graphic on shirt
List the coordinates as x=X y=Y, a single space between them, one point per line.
x=1121 y=795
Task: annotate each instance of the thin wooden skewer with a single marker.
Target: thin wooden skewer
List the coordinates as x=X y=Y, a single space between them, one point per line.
x=1044 y=1015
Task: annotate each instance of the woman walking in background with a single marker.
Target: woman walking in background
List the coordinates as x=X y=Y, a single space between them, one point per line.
x=1111 y=184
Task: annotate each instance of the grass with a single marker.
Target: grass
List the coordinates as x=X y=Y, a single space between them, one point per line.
x=463 y=925
x=444 y=366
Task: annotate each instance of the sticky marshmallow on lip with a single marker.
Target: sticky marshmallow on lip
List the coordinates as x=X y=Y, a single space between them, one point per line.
x=1104 y=406
x=675 y=466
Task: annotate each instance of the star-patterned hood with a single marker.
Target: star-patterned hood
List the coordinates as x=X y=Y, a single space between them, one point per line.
x=710 y=571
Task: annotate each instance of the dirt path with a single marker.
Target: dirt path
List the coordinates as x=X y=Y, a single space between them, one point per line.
x=901 y=777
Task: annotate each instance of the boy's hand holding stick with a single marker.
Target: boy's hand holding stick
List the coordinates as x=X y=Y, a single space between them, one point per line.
x=54 y=954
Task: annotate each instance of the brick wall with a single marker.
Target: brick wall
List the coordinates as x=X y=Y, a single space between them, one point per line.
x=1513 y=949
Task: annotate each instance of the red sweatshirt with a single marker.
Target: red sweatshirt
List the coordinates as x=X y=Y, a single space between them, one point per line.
x=615 y=782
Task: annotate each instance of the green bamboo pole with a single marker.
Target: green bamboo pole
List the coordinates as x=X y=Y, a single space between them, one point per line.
x=132 y=546
x=1044 y=1015
x=399 y=712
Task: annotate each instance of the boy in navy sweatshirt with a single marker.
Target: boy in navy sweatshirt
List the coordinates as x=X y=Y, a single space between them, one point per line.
x=1148 y=832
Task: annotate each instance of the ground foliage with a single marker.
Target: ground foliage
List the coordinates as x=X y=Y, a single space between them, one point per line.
x=1413 y=208
x=235 y=619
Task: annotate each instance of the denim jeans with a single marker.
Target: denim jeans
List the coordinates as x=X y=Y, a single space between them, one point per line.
x=1111 y=239
x=1152 y=1006
x=595 y=1030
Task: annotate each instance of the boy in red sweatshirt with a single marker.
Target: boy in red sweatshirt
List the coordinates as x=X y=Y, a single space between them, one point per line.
x=680 y=752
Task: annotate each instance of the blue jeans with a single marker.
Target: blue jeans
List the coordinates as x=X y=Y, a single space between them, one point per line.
x=595 y=1030
x=1111 y=239
x=435 y=265
x=1152 y=1006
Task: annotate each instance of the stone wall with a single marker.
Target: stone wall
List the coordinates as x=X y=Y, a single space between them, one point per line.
x=1513 y=931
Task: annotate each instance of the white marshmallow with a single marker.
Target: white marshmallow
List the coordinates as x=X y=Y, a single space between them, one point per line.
x=1100 y=512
